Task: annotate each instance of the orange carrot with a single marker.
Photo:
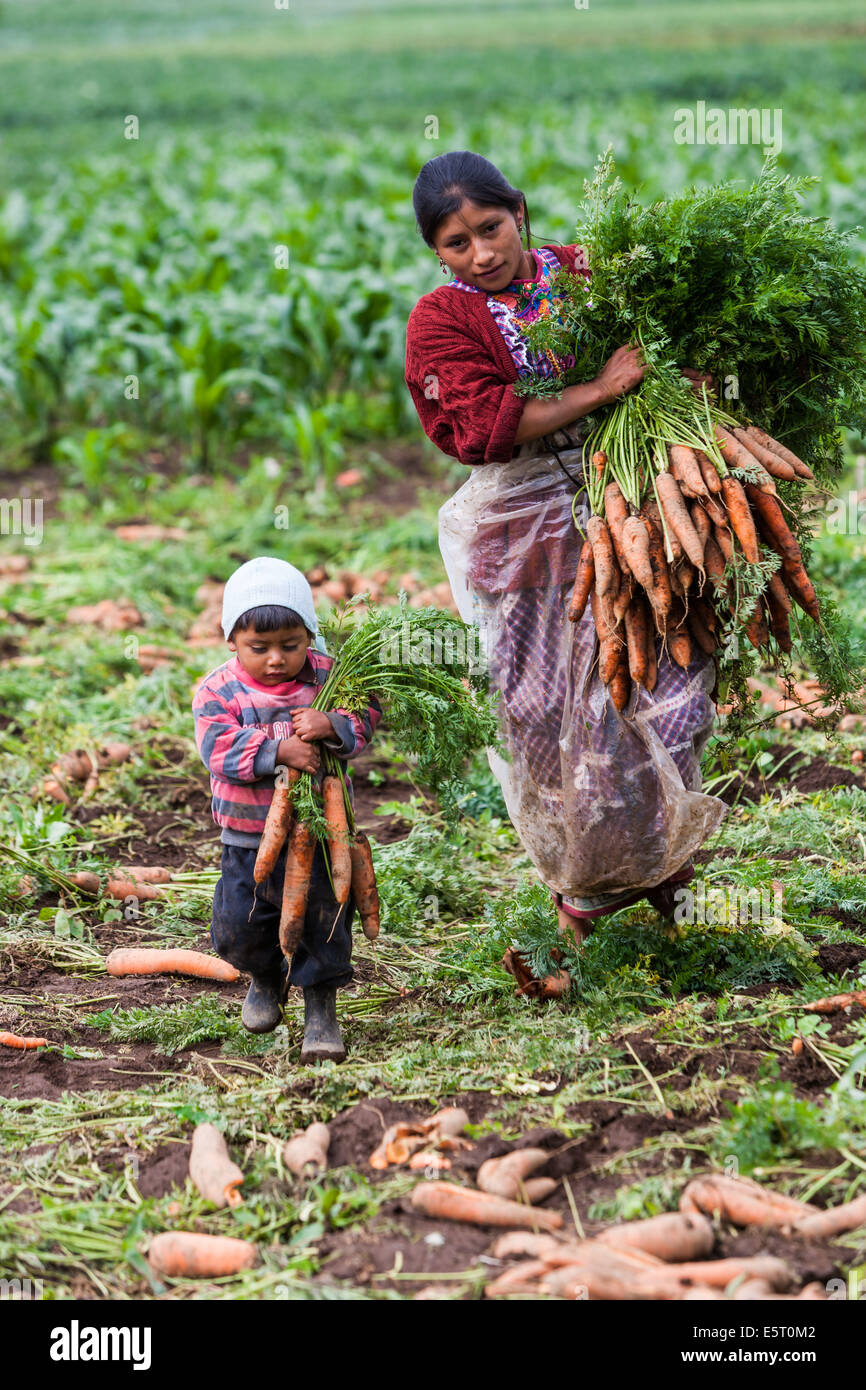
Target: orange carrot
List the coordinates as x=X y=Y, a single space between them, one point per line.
x=86 y=881
x=445 y=1201
x=308 y=1149
x=756 y=628
x=714 y=509
x=801 y=589
x=673 y=549
x=296 y=886
x=136 y=960
x=714 y=560
x=620 y=684
x=701 y=522
x=211 y=1169
x=147 y=873
x=616 y=512
x=800 y=468
x=741 y=1201
x=364 y=889
x=686 y=470
x=832 y=1003
x=700 y=632
x=774 y=527
x=682 y=577
x=652 y=665
x=278 y=822
x=709 y=471
x=14 y=1040
x=623 y=598
x=673 y=1236
x=741 y=521
x=131 y=888
x=187 y=1255
x=636 y=543
x=824 y=1225
x=738 y=456
x=606 y=568
x=775 y=466
x=338 y=836
x=609 y=646
x=660 y=594
x=524 y=1243
x=505 y=1176
x=779 y=620
x=584 y=581
x=636 y=622
x=680 y=647
x=724 y=541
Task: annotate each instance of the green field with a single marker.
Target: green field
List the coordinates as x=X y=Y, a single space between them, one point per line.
x=152 y=260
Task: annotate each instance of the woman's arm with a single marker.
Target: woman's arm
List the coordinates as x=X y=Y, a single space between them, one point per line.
x=623 y=371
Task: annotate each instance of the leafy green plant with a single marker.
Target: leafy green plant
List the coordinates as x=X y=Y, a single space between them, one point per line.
x=772 y=1123
x=179 y=1026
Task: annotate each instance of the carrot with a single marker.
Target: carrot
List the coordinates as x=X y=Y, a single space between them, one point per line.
x=446 y=1201
x=740 y=517
x=714 y=510
x=14 y=1040
x=54 y=788
x=741 y=1201
x=636 y=543
x=700 y=632
x=660 y=594
x=686 y=470
x=777 y=467
x=606 y=568
x=673 y=1236
x=620 y=685
x=86 y=881
x=738 y=456
x=779 y=592
x=394 y=1146
x=338 y=836
x=801 y=589
x=774 y=527
x=609 y=645
x=524 y=1243
x=724 y=541
x=824 y=1225
x=364 y=889
x=709 y=471
x=144 y=873
x=779 y=621
x=521 y=1278
x=682 y=577
x=599 y=461
x=701 y=522
x=505 y=1176
x=308 y=1149
x=583 y=582
x=719 y=1273
x=142 y=961
x=800 y=468
x=188 y=1255
x=636 y=622
x=756 y=628
x=296 y=886
x=672 y=546
x=623 y=598
x=131 y=888
x=278 y=822
x=211 y=1169
x=616 y=513
x=449 y=1123
x=652 y=665
x=834 y=1002
x=714 y=560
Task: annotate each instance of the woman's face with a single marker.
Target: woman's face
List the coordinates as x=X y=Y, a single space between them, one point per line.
x=474 y=240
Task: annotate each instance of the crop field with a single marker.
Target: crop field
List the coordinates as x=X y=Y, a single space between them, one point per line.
x=207 y=259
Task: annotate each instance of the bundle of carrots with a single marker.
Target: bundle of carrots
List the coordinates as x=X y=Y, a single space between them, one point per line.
x=687 y=540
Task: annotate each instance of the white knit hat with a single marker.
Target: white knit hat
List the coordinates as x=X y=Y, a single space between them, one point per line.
x=266 y=580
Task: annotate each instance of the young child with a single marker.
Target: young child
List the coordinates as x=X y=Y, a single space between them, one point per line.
x=251 y=718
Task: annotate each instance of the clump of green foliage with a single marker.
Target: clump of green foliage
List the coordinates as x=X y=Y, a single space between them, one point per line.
x=178 y=1027
x=422 y=879
x=772 y=1124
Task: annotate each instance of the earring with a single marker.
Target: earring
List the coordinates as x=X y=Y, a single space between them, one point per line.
x=444 y=266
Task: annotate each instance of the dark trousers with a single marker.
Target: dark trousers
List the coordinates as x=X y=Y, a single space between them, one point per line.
x=252 y=943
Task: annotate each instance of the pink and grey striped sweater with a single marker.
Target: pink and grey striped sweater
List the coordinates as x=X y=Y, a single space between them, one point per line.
x=238 y=726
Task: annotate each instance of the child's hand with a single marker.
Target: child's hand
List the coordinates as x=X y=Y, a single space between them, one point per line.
x=295 y=752
x=310 y=724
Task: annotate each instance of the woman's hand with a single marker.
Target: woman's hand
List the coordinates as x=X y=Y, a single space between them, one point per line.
x=697 y=379
x=294 y=752
x=310 y=724
x=621 y=372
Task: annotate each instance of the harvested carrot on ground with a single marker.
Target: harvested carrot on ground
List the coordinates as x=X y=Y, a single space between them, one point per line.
x=308 y=1149
x=835 y=1221
x=212 y=1170
x=338 y=836
x=448 y=1202
x=834 y=1002
x=278 y=823
x=132 y=888
x=143 y=961
x=741 y=1201
x=85 y=880
x=25 y=1044
x=584 y=580
x=147 y=873
x=505 y=1176
x=673 y=1236
x=188 y=1255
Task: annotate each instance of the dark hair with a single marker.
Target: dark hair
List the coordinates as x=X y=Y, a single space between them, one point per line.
x=269 y=617
x=444 y=183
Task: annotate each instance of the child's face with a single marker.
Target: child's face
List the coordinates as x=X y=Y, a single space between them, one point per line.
x=271 y=657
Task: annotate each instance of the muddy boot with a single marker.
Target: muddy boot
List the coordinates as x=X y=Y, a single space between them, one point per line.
x=263 y=1006
x=322 y=1040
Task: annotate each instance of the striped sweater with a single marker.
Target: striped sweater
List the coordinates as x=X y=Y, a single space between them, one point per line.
x=238 y=727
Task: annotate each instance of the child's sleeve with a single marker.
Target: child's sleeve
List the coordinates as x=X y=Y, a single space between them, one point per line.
x=228 y=749
x=352 y=732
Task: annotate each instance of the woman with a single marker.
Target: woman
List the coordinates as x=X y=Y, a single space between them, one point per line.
x=608 y=808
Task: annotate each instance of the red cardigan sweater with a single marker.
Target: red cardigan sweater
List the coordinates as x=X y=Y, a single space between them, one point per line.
x=460 y=373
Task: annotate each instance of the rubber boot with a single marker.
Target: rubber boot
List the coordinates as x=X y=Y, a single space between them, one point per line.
x=263 y=1006
x=322 y=1039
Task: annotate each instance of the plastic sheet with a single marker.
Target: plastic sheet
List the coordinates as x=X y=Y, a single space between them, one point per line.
x=601 y=801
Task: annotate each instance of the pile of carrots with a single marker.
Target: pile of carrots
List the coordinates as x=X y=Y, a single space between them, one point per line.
x=664 y=550
x=349 y=852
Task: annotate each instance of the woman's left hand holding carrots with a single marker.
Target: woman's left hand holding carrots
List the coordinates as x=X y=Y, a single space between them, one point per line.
x=697 y=379
x=310 y=724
